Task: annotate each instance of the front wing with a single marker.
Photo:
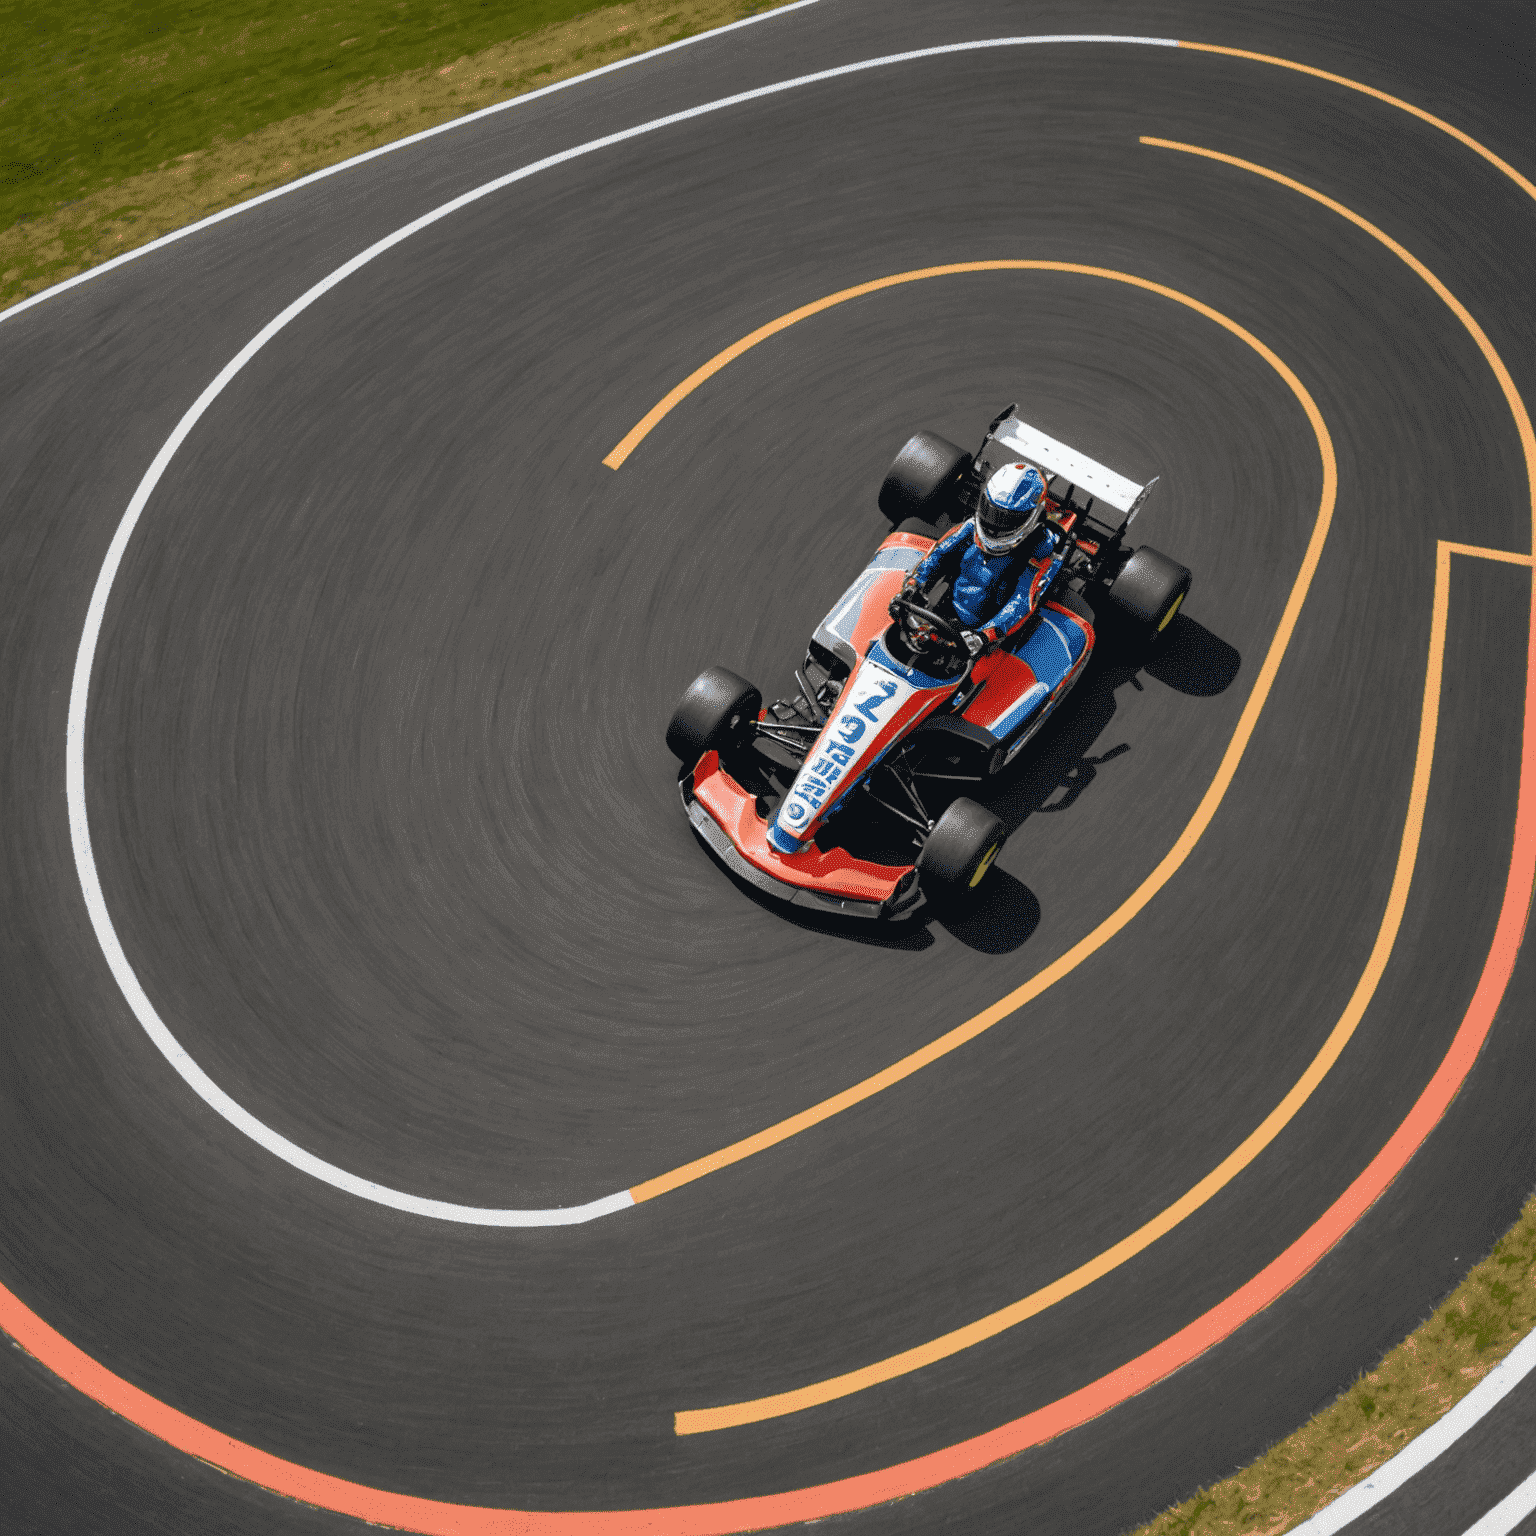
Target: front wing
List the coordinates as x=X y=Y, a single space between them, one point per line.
x=725 y=817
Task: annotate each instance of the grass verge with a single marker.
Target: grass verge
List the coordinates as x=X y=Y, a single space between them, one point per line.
x=94 y=91
x=1482 y=1320
x=70 y=236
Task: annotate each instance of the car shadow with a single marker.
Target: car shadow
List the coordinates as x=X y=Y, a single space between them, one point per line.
x=1060 y=765
x=1001 y=917
x=1192 y=660
x=1054 y=772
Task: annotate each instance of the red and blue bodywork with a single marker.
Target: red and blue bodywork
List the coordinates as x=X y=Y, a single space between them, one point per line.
x=871 y=704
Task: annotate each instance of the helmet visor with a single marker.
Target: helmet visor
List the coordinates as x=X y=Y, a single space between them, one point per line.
x=1011 y=508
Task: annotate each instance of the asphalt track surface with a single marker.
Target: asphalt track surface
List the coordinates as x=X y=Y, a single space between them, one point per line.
x=1467 y=1480
x=385 y=824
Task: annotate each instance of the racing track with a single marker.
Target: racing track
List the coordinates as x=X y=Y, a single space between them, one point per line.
x=384 y=825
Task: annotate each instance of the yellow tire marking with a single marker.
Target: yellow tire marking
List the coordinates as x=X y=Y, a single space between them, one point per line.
x=1168 y=617
x=985 y=865
x=754 y=1410
x=962 y=1034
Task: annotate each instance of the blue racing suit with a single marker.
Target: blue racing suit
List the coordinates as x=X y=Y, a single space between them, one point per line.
x=995 y=595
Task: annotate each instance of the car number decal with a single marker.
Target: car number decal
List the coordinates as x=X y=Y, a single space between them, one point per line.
x=816 y=780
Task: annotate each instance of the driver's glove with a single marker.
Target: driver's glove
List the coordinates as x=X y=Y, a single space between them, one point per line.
x=973 y=642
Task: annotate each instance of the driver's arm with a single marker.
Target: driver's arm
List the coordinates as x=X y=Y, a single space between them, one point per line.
x=930 y=566
x=1034 y=583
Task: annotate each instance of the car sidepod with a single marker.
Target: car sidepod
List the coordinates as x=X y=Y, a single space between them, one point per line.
x=1021 y=687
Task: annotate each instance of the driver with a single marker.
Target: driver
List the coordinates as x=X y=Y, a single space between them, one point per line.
x=1002 y=561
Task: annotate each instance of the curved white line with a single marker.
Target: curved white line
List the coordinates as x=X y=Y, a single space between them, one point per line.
x=1418 y=1454
x=1508 y=1512
x=74 y=756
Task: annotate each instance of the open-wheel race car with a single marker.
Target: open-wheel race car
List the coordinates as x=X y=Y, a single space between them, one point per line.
x=841 y=797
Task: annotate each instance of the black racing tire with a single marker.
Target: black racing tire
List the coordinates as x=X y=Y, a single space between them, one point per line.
x=713 y=715
x=923 y=478
x=959 y=850
x=918 y=526
x=1149 y=588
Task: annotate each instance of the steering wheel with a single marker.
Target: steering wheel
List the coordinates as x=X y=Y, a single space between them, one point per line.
x=940 y=629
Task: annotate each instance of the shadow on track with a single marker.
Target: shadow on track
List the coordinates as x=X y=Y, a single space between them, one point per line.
x=998 y=920
x=1060 y=765
x=1190 y=659
x=1056 y=770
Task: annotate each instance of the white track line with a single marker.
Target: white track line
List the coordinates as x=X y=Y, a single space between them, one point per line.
x=1418 y=1454
x=388 y=149
x=74 y=755
x=1508 y=1512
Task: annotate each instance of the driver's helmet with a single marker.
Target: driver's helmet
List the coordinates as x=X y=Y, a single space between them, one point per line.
x=1011 y=508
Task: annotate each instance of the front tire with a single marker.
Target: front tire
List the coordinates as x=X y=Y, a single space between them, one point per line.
x=923 y=478
x=960 y=850
x=1149 y=588
x=716 y=713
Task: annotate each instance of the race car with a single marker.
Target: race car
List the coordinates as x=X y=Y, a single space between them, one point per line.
x=841 y=797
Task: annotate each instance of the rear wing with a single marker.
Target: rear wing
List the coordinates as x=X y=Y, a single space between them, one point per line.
x=1083 y=473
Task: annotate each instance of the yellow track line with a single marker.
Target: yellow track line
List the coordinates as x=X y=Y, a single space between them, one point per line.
x=1501 y=373
x=1505 y=556
x=675 y=396
x=1191 y=834
x=1370 y=90
x=750 y=1411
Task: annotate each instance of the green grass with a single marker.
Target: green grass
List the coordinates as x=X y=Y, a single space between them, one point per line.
x=1423 y=1378
x=128 y=132
x=91 y=95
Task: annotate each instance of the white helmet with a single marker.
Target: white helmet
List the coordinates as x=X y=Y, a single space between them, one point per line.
x=1012 y=507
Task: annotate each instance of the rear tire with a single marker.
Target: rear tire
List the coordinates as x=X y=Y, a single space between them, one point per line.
x=716 y=713
x=960 y=850
x=1074 y=602
x=923 y=478
x=1149 y=588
